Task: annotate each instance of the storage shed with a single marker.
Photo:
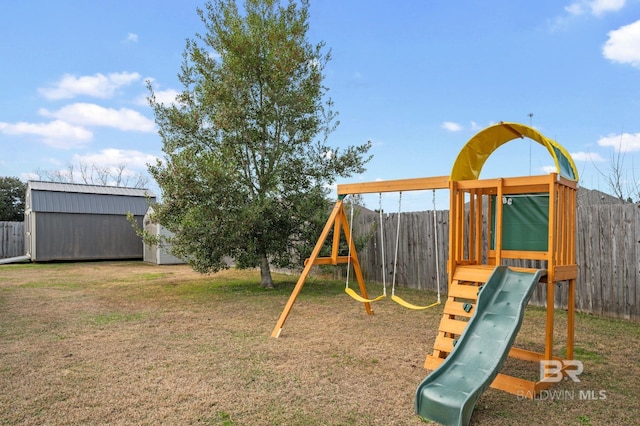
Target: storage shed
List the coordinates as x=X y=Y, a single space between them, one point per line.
x=158 y=254
x=67 y=221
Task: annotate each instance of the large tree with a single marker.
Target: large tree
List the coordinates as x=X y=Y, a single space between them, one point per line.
x=247 y=162
x=12 y=195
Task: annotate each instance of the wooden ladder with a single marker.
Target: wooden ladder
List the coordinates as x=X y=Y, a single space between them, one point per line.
x=458 y=308
x=463 y=293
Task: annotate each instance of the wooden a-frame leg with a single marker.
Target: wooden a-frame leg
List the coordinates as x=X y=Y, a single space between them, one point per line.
x=307 y=268
x=337 y=219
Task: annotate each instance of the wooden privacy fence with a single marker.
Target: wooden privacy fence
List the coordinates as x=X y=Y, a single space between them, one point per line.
x=11 y=239
x=608 y=255
x=608 y=249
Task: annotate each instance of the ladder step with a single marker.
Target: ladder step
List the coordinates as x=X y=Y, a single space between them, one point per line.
x=456 y=308
x=473 y=273
x=454 y=326
x=465 y=291
x=443 y=344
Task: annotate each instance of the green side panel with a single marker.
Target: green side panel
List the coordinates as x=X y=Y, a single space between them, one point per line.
x=566 y=169
x=525 y=222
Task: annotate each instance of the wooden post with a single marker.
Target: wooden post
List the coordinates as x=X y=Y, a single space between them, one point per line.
x=548 y=348
x=453 y=229
x=571 y=317
x=335 y=247
x=552 y=246
x=498 y=228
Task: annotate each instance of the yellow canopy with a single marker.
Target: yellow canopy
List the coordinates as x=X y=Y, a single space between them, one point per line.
x=474 y=154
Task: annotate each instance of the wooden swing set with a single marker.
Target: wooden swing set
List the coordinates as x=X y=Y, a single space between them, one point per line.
x=491 y=222
x=339 y=223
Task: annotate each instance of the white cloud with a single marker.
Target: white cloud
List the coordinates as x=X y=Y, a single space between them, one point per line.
x=166 y=96
x=587 y=156
x=162 y=96
x=57 y=134
x=595 y=7
x=624 y=45
x=98 y=85
x=598 y=7
x=29 y=176
x=132 y=37
x=584 y=7
x=575 y=9
x=626 y=142
x=95 y=115
x=112 y=158
x=451 y=126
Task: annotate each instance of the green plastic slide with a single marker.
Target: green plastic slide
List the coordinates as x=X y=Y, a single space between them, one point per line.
x=450 y=392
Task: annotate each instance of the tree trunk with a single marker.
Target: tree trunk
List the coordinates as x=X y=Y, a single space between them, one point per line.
x=265 y=272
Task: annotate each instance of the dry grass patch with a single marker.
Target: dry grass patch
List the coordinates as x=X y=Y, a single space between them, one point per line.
x=132 y=343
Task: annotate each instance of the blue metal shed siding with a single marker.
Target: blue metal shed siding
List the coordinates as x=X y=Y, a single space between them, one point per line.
x=65 y=236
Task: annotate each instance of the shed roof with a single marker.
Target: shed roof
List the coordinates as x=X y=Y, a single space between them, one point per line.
x=54 y=197
x=87 y=189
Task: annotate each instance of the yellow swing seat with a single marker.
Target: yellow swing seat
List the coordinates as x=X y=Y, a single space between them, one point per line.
x=359 y=298
x=398 y=299
x=408 y=305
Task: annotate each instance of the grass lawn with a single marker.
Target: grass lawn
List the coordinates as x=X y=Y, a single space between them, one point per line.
x=133 y=343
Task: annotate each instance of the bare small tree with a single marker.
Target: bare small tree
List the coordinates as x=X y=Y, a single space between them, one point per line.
x=95 y=174
x=615 y=178
x=634 y=186
x=627 y=190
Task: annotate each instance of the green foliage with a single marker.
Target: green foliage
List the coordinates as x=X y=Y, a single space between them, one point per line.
x=584 y=420
x=247 y=162
x=12 y=194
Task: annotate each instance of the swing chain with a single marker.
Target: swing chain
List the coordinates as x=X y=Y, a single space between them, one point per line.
x=435 y=236
x=384 y=271
x=395 y=257
x=349 y=242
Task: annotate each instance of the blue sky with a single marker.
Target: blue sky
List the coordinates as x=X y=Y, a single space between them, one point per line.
x=416 y=78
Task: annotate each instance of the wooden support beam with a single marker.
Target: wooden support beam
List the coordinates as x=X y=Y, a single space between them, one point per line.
x=416 y=184
x=526 y=355
x=329 y=260
x=335 y=246
x=566 y=272
x=571 y=317
x=514 y=385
